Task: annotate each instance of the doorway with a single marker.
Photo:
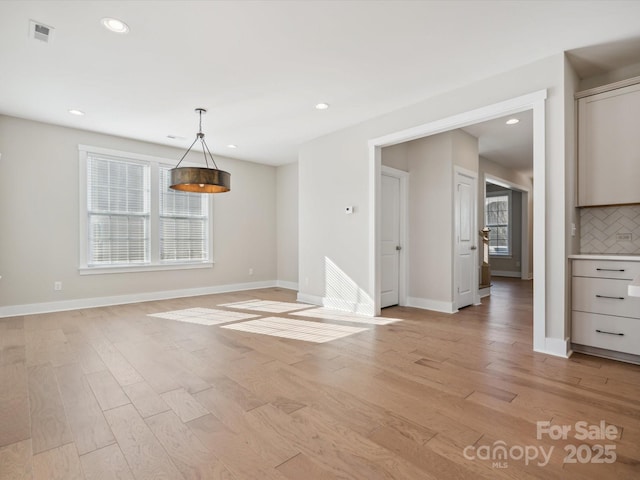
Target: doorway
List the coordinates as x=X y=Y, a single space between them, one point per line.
x=394 y=193
x=465 y=277
x=535 y=102
x=510 y=253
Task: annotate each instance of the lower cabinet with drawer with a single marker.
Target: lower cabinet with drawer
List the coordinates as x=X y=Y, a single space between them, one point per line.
x=605 y=320
x=605 y=331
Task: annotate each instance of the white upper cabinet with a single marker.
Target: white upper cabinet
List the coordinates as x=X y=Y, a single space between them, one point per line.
x=609 y=147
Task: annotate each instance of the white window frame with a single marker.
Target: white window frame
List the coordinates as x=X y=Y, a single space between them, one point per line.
x=154 y=218
x=508 y=194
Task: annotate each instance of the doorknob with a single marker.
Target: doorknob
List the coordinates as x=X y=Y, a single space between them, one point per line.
x=474 y=247
x=398 y=247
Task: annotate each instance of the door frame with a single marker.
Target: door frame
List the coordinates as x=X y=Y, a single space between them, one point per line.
x=534 y=101
x=403 y=271
x=457 y=170
x=525 y=272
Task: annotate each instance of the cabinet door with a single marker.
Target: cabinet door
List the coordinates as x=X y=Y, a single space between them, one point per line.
x=609 y=147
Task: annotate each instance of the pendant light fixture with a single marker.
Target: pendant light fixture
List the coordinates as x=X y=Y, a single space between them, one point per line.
x=196 y=179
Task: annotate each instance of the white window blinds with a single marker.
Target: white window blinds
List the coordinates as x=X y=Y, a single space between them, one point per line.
x=118 y=211
x=131 y=221
x=497 y=212
x=184 y=224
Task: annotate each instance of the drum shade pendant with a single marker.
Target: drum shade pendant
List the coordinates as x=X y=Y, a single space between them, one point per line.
x=200 y=180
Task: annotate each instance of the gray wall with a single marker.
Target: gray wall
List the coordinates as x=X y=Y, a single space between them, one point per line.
x=39 y=220
x=430 y=162
x=287 y=211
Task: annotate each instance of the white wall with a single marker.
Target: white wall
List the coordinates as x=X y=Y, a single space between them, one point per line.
x=287 y=231
x=395 y=156
x=572 y=239
x=623 y=73
x=431 y=221
x=430 y=218
x=430 y=162
x=334 y=171
x=39 y=221
x=464 y=151
x=504 y=173
x=333 y=175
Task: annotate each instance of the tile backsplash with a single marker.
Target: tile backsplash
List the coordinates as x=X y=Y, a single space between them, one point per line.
x=610 y=229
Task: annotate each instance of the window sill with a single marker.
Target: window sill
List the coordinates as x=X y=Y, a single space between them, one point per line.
x=142 y=268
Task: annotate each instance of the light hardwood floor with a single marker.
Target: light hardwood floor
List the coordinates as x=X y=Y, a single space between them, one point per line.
x=111 y=393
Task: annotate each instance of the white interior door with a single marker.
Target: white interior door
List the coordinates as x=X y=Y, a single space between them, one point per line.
x=466 y=239
x=390 y=248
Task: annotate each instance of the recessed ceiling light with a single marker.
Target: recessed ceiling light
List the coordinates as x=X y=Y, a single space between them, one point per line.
x=322 y=106
x=231 y=145
x=115 y=25
x=512 y=121
x=74 y=111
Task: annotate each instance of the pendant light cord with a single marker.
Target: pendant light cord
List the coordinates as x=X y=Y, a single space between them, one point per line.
x=205 y=148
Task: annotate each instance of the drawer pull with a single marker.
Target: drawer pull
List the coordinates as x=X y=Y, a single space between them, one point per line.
x=607 y=296
x=610 y=333
x=610 y=270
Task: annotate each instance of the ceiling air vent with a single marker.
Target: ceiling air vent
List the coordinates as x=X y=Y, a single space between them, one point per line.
x=40 y=31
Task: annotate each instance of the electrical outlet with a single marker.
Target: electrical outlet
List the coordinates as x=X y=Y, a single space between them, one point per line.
x=251 y=271
x=57 y=286
x=623 y=237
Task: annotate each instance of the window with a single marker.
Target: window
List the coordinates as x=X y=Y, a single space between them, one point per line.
x=118 y=212
x=130 y=220
x=183 y=223
x=498 y=219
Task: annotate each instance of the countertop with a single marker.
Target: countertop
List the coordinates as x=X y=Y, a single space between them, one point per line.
x=597 y=256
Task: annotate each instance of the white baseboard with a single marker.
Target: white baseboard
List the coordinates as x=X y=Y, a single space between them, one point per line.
x=428 y=304
x=64 y=305
x=505 y=273
x=484 y=292
x=310 y=299
x=557 y=347
x=287 y=285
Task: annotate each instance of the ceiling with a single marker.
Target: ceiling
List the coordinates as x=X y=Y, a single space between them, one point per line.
x=261 y=66
x=508 y=145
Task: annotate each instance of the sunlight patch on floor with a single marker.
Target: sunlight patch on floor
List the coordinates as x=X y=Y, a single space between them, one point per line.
x=267 y=306
x=339 y=315
x=203 y=316
x=296 y=329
